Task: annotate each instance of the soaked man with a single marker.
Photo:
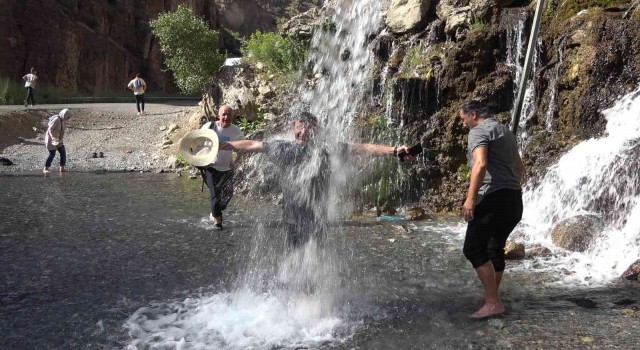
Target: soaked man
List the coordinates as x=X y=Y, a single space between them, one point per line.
x=305 y=169
x=493 y=206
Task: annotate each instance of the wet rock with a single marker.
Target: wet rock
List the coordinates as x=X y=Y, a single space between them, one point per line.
x=456 y=20
x=415 y=214
x=407 y=15
x=345 y=54
x=577 y=233
x=584 y=302
x=538 y=250
x=632 y=272
x=163 y=128
x=167 y=142
x=382 y=46
x=5 y=161
x=514 y=251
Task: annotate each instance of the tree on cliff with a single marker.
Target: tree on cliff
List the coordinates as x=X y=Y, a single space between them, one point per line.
x=190 y=48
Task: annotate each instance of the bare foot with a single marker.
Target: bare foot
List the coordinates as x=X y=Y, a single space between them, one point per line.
x=62 y=169
x=488 y=311
x=46 y=170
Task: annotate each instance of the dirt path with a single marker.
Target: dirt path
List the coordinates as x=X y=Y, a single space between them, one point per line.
x=128 y=142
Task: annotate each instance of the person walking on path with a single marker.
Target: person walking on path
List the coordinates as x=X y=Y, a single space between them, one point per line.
x=30 y=82
x=304 y=169
x=54 y=139
x=138 y=86
x=219 y=175
x=493 y=206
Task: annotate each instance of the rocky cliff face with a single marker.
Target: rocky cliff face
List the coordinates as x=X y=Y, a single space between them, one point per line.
x=97 y=46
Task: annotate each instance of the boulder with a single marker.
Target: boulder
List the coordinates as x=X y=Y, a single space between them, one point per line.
x=538 y=250
x=302 y=25
x=578 y=232
x=514 y=251
x=415 y=214
x=633 y=271
x=457 y=20
x=407 y=15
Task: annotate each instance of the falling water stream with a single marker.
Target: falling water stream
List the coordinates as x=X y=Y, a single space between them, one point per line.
x=598 y=176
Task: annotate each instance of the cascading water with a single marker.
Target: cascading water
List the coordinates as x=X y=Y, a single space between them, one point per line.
x=597 y=176
x=285 y=298
x=516 y=22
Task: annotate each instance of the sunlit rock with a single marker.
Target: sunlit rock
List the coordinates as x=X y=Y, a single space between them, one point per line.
x=633 y=271
x=514 y=250
x=406 y=15
x=577 y=233
x=415 y=214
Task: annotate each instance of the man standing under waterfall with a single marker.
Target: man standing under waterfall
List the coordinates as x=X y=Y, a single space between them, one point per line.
x=304 y=171
x=493 y=206
x=219 y=175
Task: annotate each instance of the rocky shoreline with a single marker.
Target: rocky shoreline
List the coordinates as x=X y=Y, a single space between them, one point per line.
x=128 y=142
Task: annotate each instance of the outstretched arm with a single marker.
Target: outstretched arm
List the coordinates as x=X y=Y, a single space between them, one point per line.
x=242 y=146
x=375 y=150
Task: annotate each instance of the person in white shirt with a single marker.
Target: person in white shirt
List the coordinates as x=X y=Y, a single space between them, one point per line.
x=138 y=86
x=30 y=81
x=219 y=175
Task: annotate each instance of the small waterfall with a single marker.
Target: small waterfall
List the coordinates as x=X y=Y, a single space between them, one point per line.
x=598 y=176
x=290 y=298
x=516 y=23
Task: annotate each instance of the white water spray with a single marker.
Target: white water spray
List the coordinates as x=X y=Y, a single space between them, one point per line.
x=596 y=171
x=288 y=299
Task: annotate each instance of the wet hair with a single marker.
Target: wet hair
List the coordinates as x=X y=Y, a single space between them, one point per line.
x=137 y=75
x=306 y=117
x=481 y=109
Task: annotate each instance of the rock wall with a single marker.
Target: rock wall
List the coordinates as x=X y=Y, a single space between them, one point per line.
x=98 y=46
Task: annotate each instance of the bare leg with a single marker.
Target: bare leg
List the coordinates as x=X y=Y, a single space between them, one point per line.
x=492 y=304
x=217 y=219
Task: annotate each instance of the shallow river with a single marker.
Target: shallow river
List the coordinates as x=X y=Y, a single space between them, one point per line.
x=103 y=261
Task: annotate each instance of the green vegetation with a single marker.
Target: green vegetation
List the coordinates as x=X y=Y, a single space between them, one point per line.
x=414 y=59
x=478 y=24
x=464 y=173
x=249 y=127
x=561 y=10
x=190 y=48
x=277 y=52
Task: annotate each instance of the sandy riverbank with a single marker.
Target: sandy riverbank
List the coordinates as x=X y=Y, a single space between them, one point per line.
x=129 y=142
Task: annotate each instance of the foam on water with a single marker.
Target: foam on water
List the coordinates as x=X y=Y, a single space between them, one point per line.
x=594 y=172
x=240 y=320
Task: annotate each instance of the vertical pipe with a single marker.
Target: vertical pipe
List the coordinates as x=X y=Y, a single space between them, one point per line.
x=526 y=71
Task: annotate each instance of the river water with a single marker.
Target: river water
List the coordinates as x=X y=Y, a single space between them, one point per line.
x=103 y=261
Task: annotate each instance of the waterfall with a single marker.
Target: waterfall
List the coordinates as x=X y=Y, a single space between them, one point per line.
x=289 y=298
x=598 y=176
x=516 y=23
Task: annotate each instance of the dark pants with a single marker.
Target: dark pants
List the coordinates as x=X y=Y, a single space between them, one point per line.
x=30 y=96
x=220 y=184
x=52 y=154
x=300 y=233
x=140 y=102
x=493 y=220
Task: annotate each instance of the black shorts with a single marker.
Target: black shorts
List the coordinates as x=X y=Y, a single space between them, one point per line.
x=493 y=220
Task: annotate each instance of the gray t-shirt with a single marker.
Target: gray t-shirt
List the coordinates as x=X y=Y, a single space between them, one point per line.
x=502 y=149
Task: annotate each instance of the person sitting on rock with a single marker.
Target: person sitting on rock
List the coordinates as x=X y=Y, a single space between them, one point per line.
x=304 y=173
x=493 y=206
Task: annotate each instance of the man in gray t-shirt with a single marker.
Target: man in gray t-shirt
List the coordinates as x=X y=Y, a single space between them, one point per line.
x=493 y=206
x=502 y=154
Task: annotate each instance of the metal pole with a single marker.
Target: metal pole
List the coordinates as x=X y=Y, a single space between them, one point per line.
x=526 y=71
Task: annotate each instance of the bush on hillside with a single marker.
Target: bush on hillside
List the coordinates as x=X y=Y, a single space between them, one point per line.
x=190 y=48
x=277 y=52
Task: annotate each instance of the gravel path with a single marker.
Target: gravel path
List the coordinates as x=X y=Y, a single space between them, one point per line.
x=128 y=142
